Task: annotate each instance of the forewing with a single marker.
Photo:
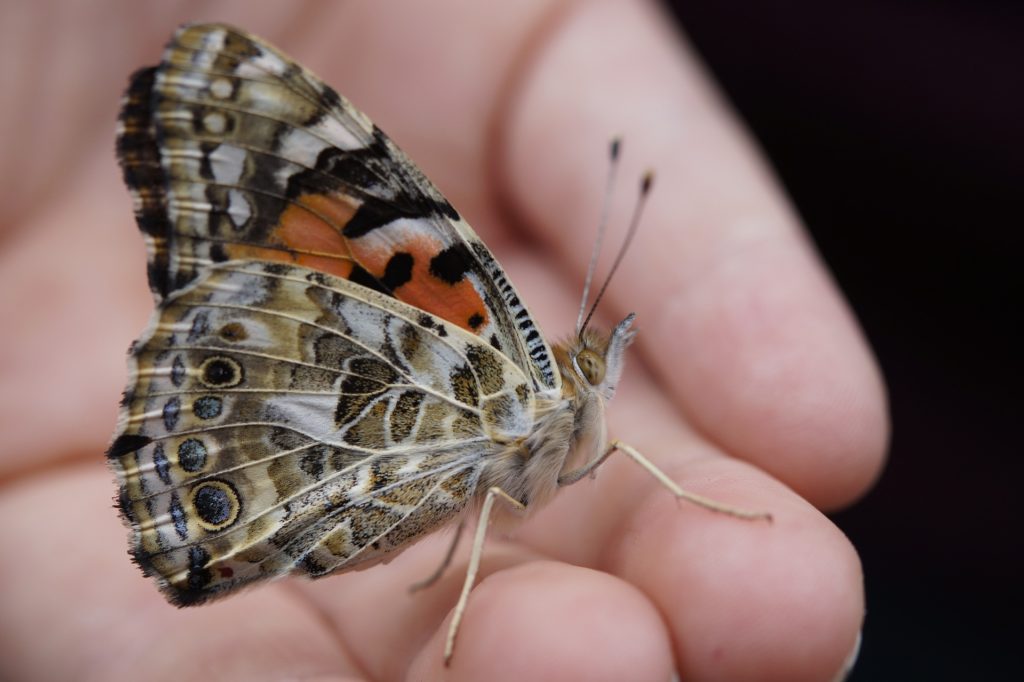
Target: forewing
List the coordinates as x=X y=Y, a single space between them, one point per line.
x=279 y=419
x=233 y=151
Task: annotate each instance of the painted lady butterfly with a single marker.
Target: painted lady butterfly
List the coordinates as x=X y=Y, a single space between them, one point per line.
x=337 y=365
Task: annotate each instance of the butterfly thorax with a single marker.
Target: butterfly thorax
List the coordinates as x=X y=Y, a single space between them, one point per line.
x=570 y=430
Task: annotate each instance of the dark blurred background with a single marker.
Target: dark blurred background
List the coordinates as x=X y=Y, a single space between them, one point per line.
x=897 y=129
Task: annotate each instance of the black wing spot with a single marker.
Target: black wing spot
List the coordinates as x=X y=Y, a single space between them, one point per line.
x=330 y=98
x=198 y=575
x=398 y=271
x=192 y=455
x=207 y=407
x=446 y=209
x=218 y=254
x=127 y=442
x=370 y=215
x=451 y=264
x=205 y=167
x=221 y=372
x=216 y=503
x=364 y=278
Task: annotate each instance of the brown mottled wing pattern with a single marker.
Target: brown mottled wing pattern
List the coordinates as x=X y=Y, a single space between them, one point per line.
x=280 y=420
x=232 y=151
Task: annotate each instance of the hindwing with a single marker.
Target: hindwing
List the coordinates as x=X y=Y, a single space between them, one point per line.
x=280 y=419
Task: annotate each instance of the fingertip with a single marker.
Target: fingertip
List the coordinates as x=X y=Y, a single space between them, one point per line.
x=747 y=600
x=771 y=366
x=546 y=620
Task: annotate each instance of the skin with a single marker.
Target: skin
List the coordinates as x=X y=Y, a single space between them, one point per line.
x=749 y=381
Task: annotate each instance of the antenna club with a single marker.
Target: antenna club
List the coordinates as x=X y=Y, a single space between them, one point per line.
x=647 y=182
x=615 y=147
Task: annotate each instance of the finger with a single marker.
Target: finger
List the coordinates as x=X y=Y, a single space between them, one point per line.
x=382 y=621
x=738 y=317
x=523 y=617
x=64 y=555
x=547 y=620
x=744 y=599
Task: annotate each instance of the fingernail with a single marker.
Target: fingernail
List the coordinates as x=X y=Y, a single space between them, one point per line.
x=850 y=661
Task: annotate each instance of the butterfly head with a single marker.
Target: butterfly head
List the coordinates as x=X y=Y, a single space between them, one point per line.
x=592 y=362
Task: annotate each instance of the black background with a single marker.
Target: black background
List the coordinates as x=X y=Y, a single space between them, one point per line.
x=897 y=129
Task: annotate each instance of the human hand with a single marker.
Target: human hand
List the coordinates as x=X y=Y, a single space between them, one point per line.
x=747 y=362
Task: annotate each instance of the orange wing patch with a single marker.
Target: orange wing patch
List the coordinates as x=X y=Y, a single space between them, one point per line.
x=312 y=228
x=307 y=233
x=400 y=259
x=407 y=265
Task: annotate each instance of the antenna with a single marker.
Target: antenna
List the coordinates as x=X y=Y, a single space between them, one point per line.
x=645 y=189
x=602 y=225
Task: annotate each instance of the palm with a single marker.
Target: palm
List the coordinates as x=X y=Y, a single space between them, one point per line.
x=744 y=348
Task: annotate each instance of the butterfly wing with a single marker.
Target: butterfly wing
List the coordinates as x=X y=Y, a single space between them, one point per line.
x=283 y=420
x=233 y=151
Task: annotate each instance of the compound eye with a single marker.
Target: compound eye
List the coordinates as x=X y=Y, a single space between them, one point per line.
x=591 y=365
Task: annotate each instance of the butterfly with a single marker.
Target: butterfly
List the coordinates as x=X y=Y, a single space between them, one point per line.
x=337 y=365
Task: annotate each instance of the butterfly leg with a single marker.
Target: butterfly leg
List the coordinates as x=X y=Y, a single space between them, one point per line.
x=436 y=575
x=474 y=563
x=634 y=454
